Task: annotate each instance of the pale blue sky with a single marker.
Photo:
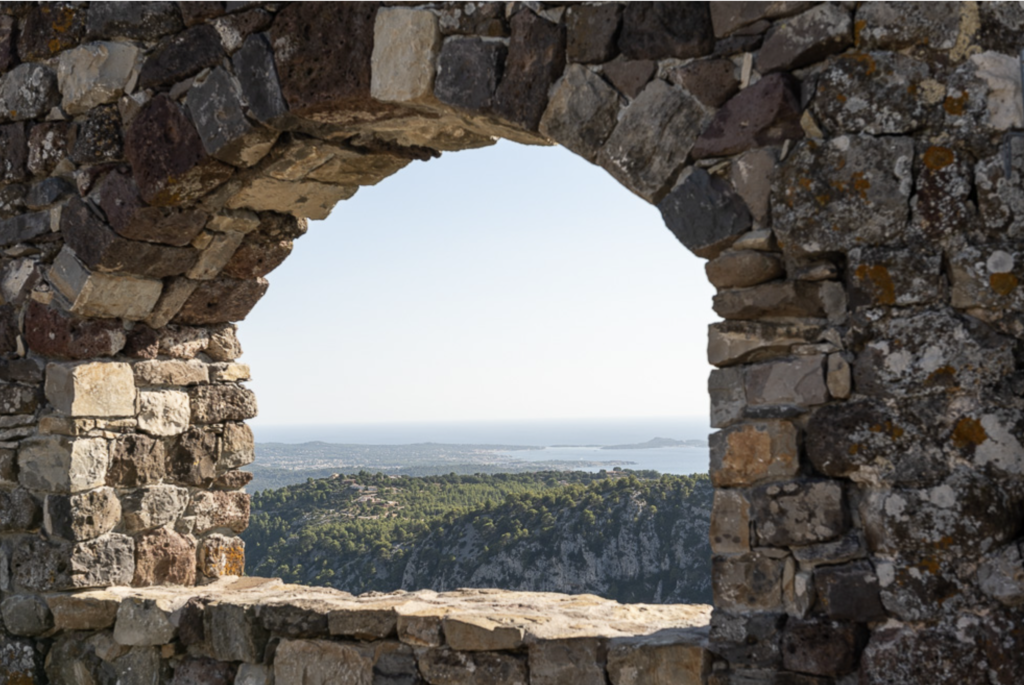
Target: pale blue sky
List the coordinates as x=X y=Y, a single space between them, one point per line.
x=505 y=283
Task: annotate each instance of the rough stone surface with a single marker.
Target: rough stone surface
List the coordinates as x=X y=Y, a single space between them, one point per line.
x=764 y=114
x=743 y=268
x=163 y=412
x=220 y=510
x=221 y=300
x=823 y=30
x=712 y=82
x=654 y=30
x=798 y=513
x=581 y=113
x=468 y=71
x=94 y=74
x=800 y=381
x=405 y=47
x=153 y=506
x=82 y=516
x=178 y=57
x=630 y=76
x=91 y=388
x=748 y=453
x=58 y=464
x=28 y=91
x=592 y=32
x=705 y=214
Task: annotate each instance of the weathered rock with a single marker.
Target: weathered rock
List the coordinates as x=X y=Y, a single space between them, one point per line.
x=592 y=32
x=143 y=622
x=135 y=20
x=171 y=372
x=163 y=412
x=799 y=381
x=88 y=610
x=747 y=453
x=838 y=376
x=348 y=168
x=82 y=516
x=20 y=661
x=581 y=113
x=780 y=298
x=937 y=653
x=180 y=56
x=47 y=192
x=536 y=58
x=849 y=592
x=221 y=300
x=653 y=138
x=764 y=114
x=220 y=555
x=94 y=74
x=254 y=68
x=751 y=640
x=232 y=480
x=743 y=268
x=216 y=109
x=168 y=160
x=163 y=557
x=987 y=277
x=445 y=665
x=26 y=615
x=406 y=43
x=18 y=399
x=730 y=522
x=468 y=71
x=15 y=146
x=24 y=227
x=893 y=26
x=91 y=388
x=102 y=295
x=319 y=662
x=235 y=632
x=47 y=146
x=307 y=198
x=49 y=29
x=8 y=56
x=296 y=619
x=729 y=17
x=193 y=460
x=136 y=460
x=704 y=213
x=657 y=659
x=28 y=91
x=152 y=506
x=740 y=342
x=199 y=12
x=879 y=276
x=223 y=345
x=858 y=185
x=798 y=513
x=19 y=511
x=712 y=81
x=220 y=510
x=141 y=666
x=728 y=397
x=251 y=674
x=204 y=671
x=558 y=661
x=183 y=342
x=1001 y=575
x=823 y=30
x=471 y=633
x=57 y=464
x=822 y=647
x=101 y=562
x=97 y=138
x=484 y=19
x=750 y=582
x=235 y=28
x=630 y=76
x=237 y=446
x=654 y=30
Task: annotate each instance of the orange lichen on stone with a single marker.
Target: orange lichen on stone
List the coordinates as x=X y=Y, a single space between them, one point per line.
x=865 y=59
x=840 y=97
x=1004 y=284
x=945 y=375
x=861 y=185
x=969 y=431
x=936 y=157
x=955 y=106
x=881 y=282
x=858 y=27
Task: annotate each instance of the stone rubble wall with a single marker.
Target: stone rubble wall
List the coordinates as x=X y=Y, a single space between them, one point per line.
x=851 y=172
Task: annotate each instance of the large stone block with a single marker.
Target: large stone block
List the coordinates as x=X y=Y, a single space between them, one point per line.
x=822 y=647
x=25 y=615
x=309 y=199
x=799 y=381
x=216 y=109
x=741 y=342
x=143 y=621
x=750 y=582
x=49 y=566
x=102 y=295
x=214 y=510
x=730 y=522
x=711 y=81
x=655 y=30
x=798 y=513
x=46 y=30
x=766 y=113
x=153 y=372
x=221 y=555
x=94 y=74
x=582 y=112
x=536 y=58
x=898 y=25
x=405 y=47
x=849 y=592
x=235 y=632
x=193 y=459
x=8 y=57
x=194 y=670
x=901 y=277
x=180 y=56
x=653 y=138
x=133 y=20
x=221 y=300
x=448 y=666
x=163 y=557
x=237 y=446
x=28 y=91
x=823 y=30
x=592 y=32
x=47 y=146
x=553 y=662
x=669 y=657
x=55 y=463
x=152 y=506
x=82 y=516
x=797 y=299
x=747 y=453
x=468 y=71
x=349 y=168
x=19 y=511
x=321 y=662
x=254 y=68
x=91 y=388
x=743 y=268
x=163 y=412
x=97 y=139
x=18 y=399
x=136 y=460
x=168 y=160
x=705 y=214
x=89 y=610
x=727 y=395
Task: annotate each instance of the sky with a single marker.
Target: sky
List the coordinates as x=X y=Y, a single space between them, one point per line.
x=506 y=283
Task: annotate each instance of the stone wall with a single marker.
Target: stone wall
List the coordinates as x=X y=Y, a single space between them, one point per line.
x=851 y=172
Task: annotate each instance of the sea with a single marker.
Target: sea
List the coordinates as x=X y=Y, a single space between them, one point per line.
x=563 y=440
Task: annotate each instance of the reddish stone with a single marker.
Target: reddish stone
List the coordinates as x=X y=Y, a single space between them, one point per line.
x=163 y=557
x=630 y=77
x=199 y=11
x=136 y=460
x=655 y=30
x=203 y=671
x=712 y=82
x=49 y=28
x=218 y=403
x=168 y=161
x=536 y=58
x=131 y=218
x=222 y=300
x=232 y=480
x=52 y=333
x=14 y=144
x=592 y=31
x=143 y=342
x=8 y=56
x=193 y=460
x=766 y=113
x=180 y=56
x=97 y=246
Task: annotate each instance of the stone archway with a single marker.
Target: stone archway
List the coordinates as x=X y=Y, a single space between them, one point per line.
x=850 y=173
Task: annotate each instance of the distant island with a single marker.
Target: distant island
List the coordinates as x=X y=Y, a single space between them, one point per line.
x=655 y=443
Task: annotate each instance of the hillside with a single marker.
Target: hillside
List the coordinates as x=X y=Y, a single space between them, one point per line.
x=630 y=536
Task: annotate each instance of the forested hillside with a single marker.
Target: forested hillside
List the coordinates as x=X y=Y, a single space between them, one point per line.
x=630 y=536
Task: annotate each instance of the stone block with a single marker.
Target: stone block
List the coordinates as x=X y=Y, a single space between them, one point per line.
x=741 y=342
x=47 y=192
x=192 y=461
x=232 y=480
x=18 y=399
x=101 y=562
x=136 y=460
x=142 y=622
x=94 y=74
x=308 y=199
x=26 y=615
x=82 y=516
x=215 y=256
x=743 y=268
x=797 y=299
x=163 y=412
x=15 y=144
x=630 y=76
x=153 y=372
x=849 y=592
x=218 y=403
x=859 y=185
x=822 y=647
x=294 y=158
x=28 y=91
x=141 y=666
x=553 y=662
x=838 y=376
x=180 y=56
x=302 y=618
x=221 y=300
x=582 y=112
x=215 y=106
x=152 y=506
x=55 y=463
x=252 y=674
x=485 y=19
x=257 y=76
x=320 y=662
x=711 y=81
x=449 y=666
x=748 y=640
x=200 y=12
x=230 y=372
x=8 y=57
x=655 y=30
x=730 y=522
x=798 y=513
x=237 y=446
x=168 y=160
x=799 y=381
x=348 y=168
x=678 y=657
x=19 y=511
x=729 y=17
x=100 y=295
x=87 y=610
x=938 y=653
x=653 y=138
x=224 y=345
x=220 y=510
x=131 y=218
x=47 y=146
x=766 y=113
x=705 y=214
x=468 y=71
x=235 y=632
x=221 y=555
x=810 y=37
x=196 y=670
x=91 y=388
x=536 y=58
x=134 y=20
x=894 y=26
x=406 y=43
x=592 y=32
x=744 y=454
x=750 y=582
x=480 y=634
x=183 y=342
x=1001 y=575
x=97 y=139
x=22 y=662
x=24 y=227
x=728 y=399
x=236 y=27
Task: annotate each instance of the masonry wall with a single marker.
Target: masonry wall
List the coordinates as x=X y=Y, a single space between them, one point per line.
x=852 y=172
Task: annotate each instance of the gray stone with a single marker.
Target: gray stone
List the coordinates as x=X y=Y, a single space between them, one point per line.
x=143 y=622
x=102 y=562
x=254 y=68
x=822 y=647
x=751 y=176
x=554 y=662
x=1001 y=575
x=236 y=633
x=28 y=91
x=307 y=198
x=19 y=511
x=26 y=615
x=468 y=71
x=47 y=192
x=779 y=298
x=102 y=295
x=163 y=412
x=849 y=592
x=581 y=113
x=743 y=268
x=747 y=640
x=898 y=25
x=901 y=277
x=179 y=56
x=823 y=30
x=477 y=668
x=655 y=30
x=55 y=463
x=704 y=213
x=799 y=381
x=91 y=388
x=986 y=277
x=134 y=20
x=82 y=516
x=174 y=296
x=216 y=109
x=536 y=58
x=728 y=399
x=711 y=81
x=406 y=43
x=220 y=510
x=320 y=662
x=153 y=506
x=798 y=512
x=849 y=547
x=15 y=144
x=24 y=227
x=741 y=342
x=653 y=138
x=94 y=74
x=591 y=32
x=858 y=185
x=729 y=17
x=237 y=446
x=217 y=403
x=136 y=460
x=766 y=113
x=47 y=146
x=141 y=666
x=192 y=462
x=630 y=76
x=749 y=582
